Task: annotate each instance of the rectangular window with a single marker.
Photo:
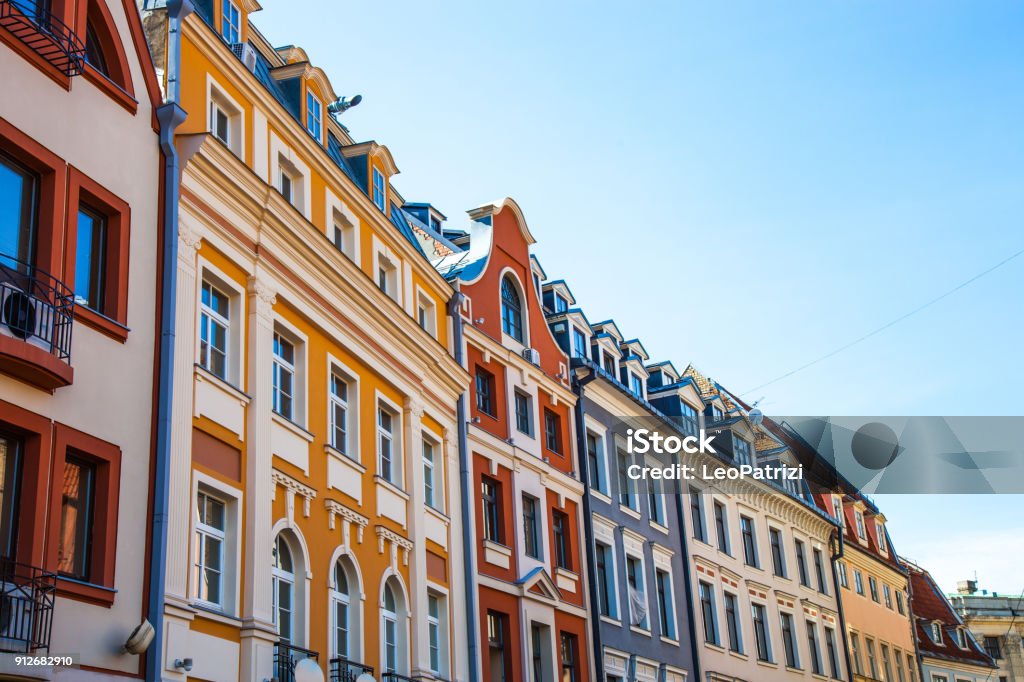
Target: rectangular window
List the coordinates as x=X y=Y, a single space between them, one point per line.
x=833 y=654
x=76 y=518
x=208 y=550
x=635 y=579
x=858 y=581
x=627 y=485
x=886 y=663
x=386 y=460
x=855 y=654
x=499 y=662
x=844 y=578
x=812 y=647
x=801 y=562
x=606 y=592
x=741 y=449
x=992 y=647
x=819 y=571
x=531 y=535
x=899 y=603
x=778 y=558
x=337 y=401
x=912 y=668
x=732 y=621
x=761 y=635
x=873 y=586
x=524 y=413
x=789 y=641
x=887 y=596
x=560 y=530
x=90 y=259
x=552 y=431
x=220 y=123
x=214 y=324
x=379 y=192
x=707 y=609
x=430 y=496
x=484 y=391
x=688 y=418
x=749 y=543
x=859 y=517
x=869 y=648
x=722 y=527
x=666 y=614
x=655 y=506
x=491 y=496
x=286 y=186
x=570 y=670
x=19 y=195
x=230 y=28
x=880 y=532
x=561 y=304
x=594 y=463
x=314 y=116
x=284 y=377
x=579 y=344
x=897 y=656
x=697 y=514
x=434 y=633
x=636 y=385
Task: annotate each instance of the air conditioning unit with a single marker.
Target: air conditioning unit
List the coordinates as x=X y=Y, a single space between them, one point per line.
x=531 y=356
x=247 y=54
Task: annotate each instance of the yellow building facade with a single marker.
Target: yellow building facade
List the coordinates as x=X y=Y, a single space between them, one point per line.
x=314 y=446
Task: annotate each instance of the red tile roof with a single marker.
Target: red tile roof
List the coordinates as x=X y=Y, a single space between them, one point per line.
x=928 y=605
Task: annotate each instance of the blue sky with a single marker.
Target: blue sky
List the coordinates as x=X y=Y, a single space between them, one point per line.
x=743 y=185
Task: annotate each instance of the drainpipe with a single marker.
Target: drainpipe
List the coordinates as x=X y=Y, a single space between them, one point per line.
x=170 y=115
x=465 y=488
x=839 y=553
x=688 y=584
x=588 y=526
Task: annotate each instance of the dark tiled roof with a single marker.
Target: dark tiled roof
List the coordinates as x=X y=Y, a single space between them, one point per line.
x=928 y=604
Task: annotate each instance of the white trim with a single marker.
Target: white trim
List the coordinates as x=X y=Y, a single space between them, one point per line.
x=217 y=94
x=397 y=443
x=352 y=417
x=232 y=550
x=298 y=171
x=335 y=209
x=236 y=331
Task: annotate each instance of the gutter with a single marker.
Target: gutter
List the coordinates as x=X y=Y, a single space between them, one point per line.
x=688 y=583
x=170 y=115
x=465 y=489
x=588 y=527
x=836 y=556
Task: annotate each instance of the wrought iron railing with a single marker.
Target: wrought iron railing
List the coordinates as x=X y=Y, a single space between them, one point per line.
x=32 y=22
x=36 y=307
x=344 y=670
x=395 y=677
x=286 y=656
x=26 y=607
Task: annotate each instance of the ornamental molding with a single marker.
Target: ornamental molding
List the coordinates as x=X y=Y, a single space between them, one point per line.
x=348 y=518
x=293 y=488
x=395 y=542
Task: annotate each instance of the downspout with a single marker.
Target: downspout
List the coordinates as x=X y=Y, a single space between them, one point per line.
x=588 y=526
x=838 y=553
x=170 y=115
x=688 y=584
x=465 y=488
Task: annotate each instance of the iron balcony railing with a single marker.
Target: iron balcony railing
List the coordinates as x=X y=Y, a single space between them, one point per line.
x=395 y=677
x=286 y=656
x=36 y=307
x=32 y=22
x=26 y=607
x=344 y=670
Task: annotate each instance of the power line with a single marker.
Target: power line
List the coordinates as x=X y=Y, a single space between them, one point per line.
x=885 y=326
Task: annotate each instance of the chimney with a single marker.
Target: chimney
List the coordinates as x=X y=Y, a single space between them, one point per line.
x=967 y=587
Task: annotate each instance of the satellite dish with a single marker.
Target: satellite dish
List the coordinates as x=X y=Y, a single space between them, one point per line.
x=307 y=670
x=140 y=639
x=755 y=416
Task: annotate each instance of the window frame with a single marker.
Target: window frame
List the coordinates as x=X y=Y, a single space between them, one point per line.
x=314 y=115
x=523 y=419
x=203 y=533
x=491 y=504
x=208 y=318
x=709 y=615
x=532 y=543
x=396 y=473
x=513 y=312
x=230 y=29
x=379 y=190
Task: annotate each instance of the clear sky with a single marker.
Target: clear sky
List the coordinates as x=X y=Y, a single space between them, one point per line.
x=743 y=185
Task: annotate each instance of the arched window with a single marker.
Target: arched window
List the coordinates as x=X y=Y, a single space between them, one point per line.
x=344 y=613
x=284 y=589
x=103 y=48
x=389 y=614
x=511 y=309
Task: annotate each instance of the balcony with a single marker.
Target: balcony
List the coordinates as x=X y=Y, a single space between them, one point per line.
x=26 y=607
x=344 y=670
x=31 y=22
x=395 y=677
x=286 y=656
x=36 y=318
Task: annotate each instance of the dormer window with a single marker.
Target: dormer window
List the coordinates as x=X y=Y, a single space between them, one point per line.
x=961 y=638
x=561 y=305
x=636 y=385
x=859 y=516
x=511 y=309
x=230 y=23
x=837 y=509
x=314 y=115
x=579 y=344
x=937 y=633
x=608 y=362
x=379 y=190
x=880 y=532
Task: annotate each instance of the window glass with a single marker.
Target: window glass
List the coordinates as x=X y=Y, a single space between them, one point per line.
x=76 y=518
x=511 y=309
x=230 y=28
x=90 y=259
x=18 y=200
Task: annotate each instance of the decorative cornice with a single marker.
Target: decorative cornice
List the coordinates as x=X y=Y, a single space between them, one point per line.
x=397 y=542
x=294 y=488
x=348 y=517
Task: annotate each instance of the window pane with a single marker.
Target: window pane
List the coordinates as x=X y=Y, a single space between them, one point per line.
x=17 y=211
x=76 y=518
x=90 y=266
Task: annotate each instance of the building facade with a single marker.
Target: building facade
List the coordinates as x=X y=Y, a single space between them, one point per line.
x=527 y=539
x=948 y=650
x=79 y=258
x=313 y=446
x=767 y=603
x=995 y=622
x=638 y=568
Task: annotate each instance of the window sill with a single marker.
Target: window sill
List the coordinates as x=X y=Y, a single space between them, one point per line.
x=101 y=323
x=715 y=647
x=639 y=631
x=339 y=455
x=294 y=427
x=110 y=88
x=659 y=527
x=604 y=497
x=669 y=640
x=738 y=654
x=393 y=487
x=768 y=664
x=440 y=515
x=80 y=590
x=611 y=621
x=214 y=613
x=629 y=511
x=203 y=374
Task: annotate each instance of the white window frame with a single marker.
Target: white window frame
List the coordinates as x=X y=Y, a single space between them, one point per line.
x=671 y=603
x=394 y=437
x=284 y=160
x=862 y=532
x=645 y=625
x=300 y=341
x=336 y=597
x=436 y=467
x=607 y=539
x=385 y=259
x=314 y=121
x=335 y=368
x=340 y=218
x=600 y=434
x=208 y=320
x=434 y=633
x=426 y=312
x=206 y=271
x=278 y=576
x=883 y=547
x=229 y=29
x=217 y=98
x=379 y=195
x=232 y=549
